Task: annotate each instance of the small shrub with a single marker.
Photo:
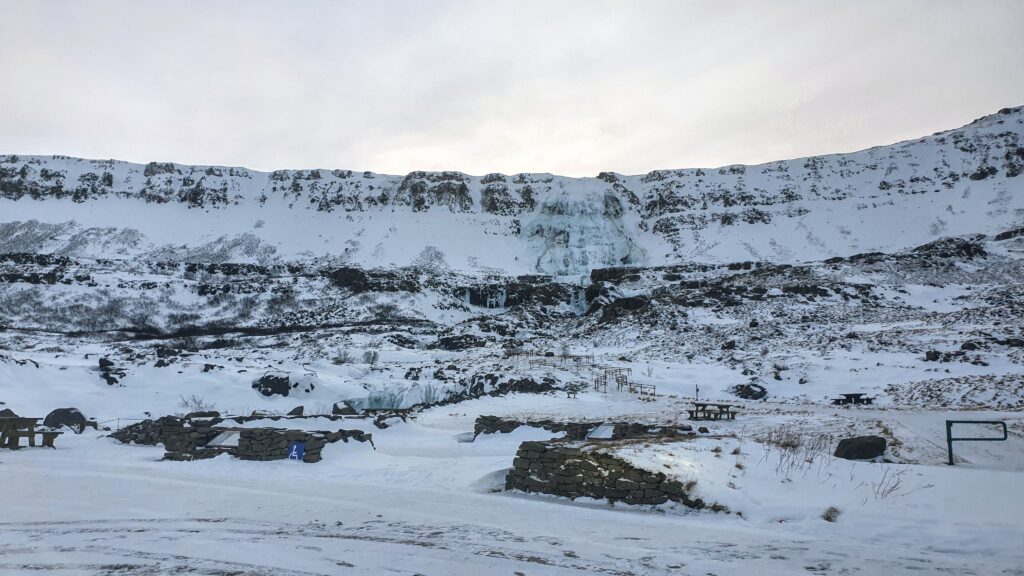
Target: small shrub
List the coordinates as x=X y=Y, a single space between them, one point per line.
x=370 y=357
x=342 y=357
x=196 y=403
x=831 y=514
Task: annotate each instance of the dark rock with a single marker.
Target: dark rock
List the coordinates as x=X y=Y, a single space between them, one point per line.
x=106 y=363
x=702 y=430
x=460 y=342
x=952 y=248
x=345 y=409
x=730 y=345
x=270 y=384
x=166 y=352
x=202 y=414
x=1009 y=234
x=983 y=172
x=297 y=411
x=7 y=413
x=932 y=356
x=751 y=391
x=861 y=448
x=353 y=279
x=69 y=417
x=623 y=306
x=754 y=323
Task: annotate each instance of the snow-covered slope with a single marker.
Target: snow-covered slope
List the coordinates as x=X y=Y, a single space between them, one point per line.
x=886 y=199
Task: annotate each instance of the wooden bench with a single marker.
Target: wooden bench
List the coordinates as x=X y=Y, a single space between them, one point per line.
x=702 y=411
x=859 y=398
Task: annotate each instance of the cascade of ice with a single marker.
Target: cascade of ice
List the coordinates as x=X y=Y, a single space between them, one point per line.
x=578 y=229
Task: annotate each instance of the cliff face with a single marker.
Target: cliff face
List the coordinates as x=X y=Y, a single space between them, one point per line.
x=887 y=198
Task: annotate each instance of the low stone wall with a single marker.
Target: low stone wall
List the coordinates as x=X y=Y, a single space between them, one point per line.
x=186 y=439
x=573 y=470
x=272 y=443
x=576 y=430
x=176 y=434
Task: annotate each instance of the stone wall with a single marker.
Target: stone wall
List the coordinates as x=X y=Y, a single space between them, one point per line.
x=573 y=470
x=272 y=443
x=576 y=430
x=185 y=439
x=176 y=434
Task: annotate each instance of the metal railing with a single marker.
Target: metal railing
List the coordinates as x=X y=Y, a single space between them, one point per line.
x=950 y=439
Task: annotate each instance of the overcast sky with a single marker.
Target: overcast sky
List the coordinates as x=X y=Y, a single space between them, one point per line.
x=572 y=88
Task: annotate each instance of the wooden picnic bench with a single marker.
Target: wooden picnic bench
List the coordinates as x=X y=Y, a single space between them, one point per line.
x=856 y=398
x=14 y=428
x=702 y=411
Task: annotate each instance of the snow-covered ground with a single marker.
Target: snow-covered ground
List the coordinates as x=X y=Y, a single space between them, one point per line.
x=424 y=503
x=132 y=292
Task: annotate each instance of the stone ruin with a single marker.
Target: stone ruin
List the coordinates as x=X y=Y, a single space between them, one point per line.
x=575 y=470
x=579 y=465
x=578 y=430
x=187 y=439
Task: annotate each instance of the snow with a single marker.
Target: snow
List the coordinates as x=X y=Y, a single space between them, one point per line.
x=882 y=199
x=423 y=502
x=426 y=497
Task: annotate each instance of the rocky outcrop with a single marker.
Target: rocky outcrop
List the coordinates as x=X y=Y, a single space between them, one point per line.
x=109 y=372
x=573 y=471
x=274 y=384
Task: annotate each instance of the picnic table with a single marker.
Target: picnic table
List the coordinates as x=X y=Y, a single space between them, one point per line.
x=857 y=398
x=14 y=428
x=703 y=411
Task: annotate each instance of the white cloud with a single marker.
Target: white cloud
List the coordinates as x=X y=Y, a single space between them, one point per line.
x=565 y=87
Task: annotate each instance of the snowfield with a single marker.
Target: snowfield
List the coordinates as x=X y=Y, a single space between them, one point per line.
x=424 y=503
x=407 y=308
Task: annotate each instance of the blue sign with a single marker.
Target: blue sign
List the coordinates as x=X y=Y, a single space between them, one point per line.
x=296 y=450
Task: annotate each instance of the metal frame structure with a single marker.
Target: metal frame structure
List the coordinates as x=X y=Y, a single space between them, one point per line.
x=950 y=439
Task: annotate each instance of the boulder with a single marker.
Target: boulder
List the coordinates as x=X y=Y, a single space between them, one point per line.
x=270 y=384
x=106 y=363
x=297 y=411
x=70 y=417
x=345 y=409
x=752 y=391
x=7 y=413
x=860 y=448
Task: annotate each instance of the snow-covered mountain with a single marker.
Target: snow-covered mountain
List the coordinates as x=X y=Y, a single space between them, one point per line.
x=883 y=199
x=477 y=317
x=892 y=261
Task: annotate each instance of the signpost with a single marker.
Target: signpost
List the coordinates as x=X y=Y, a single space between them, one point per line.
x=950 y=439
x=296 y=451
